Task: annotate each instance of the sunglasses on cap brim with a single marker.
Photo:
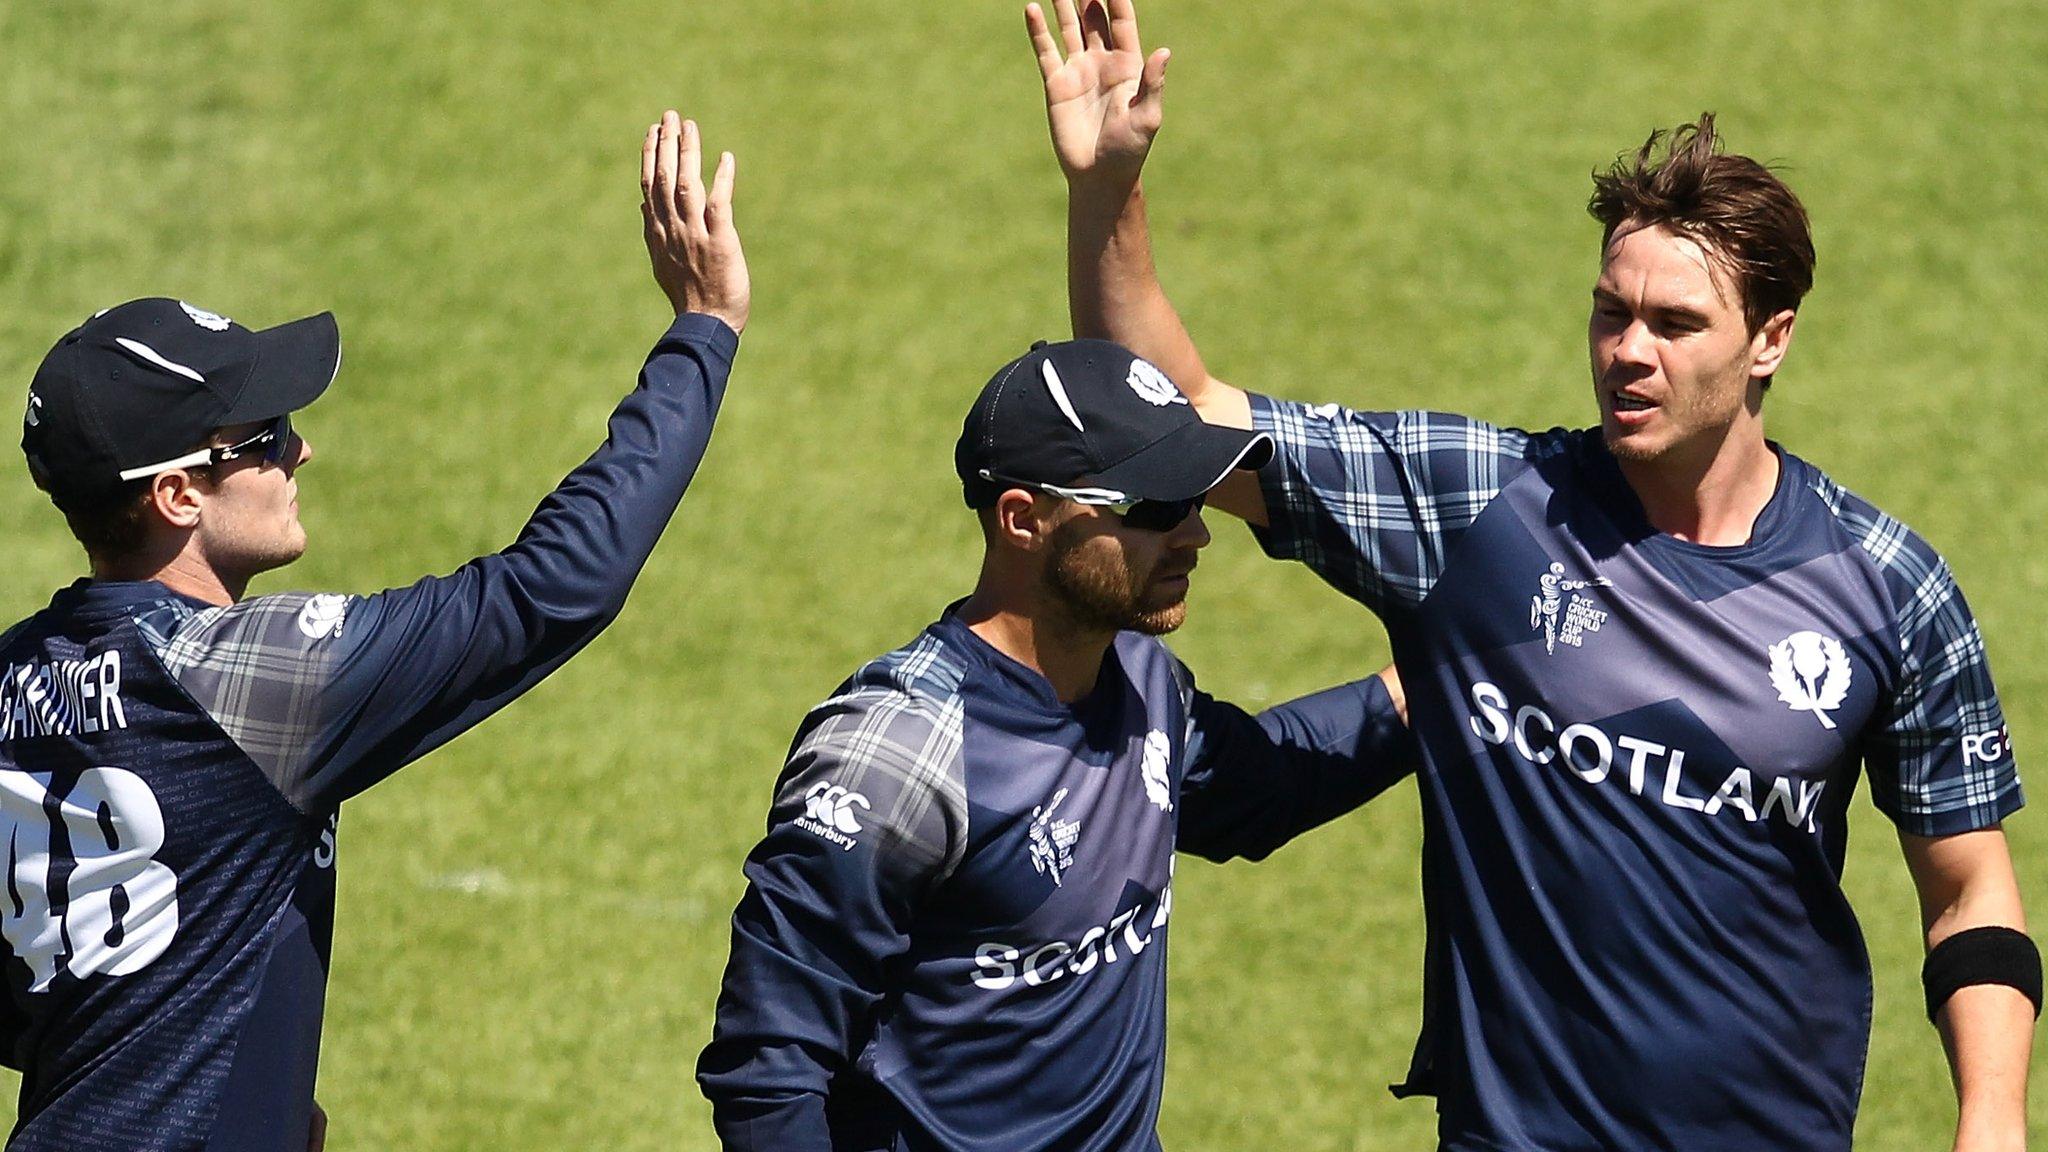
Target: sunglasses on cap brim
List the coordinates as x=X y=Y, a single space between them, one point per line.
x=1144 y=515
x=273 y=442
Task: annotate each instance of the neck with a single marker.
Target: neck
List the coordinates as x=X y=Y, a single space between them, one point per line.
x=1067 y=655
x=181 y=572
x=1710 y=494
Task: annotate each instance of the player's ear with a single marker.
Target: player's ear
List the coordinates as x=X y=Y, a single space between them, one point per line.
x=175 y=497
x=1769 y=344
x=1021 y=520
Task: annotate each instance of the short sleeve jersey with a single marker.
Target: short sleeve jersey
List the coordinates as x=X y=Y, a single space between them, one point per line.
x=1637 y=754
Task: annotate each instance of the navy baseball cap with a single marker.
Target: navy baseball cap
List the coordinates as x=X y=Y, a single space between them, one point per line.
x=141 y=386
x=1092 y=413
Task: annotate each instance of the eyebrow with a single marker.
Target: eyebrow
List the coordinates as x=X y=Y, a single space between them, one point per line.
x=1679 y=312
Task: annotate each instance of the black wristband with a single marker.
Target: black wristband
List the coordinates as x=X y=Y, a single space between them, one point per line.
x=1989 y=955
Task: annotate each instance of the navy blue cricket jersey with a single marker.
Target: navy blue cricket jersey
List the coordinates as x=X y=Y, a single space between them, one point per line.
x=170 y=775
x=954 y=934
x=1637 y=755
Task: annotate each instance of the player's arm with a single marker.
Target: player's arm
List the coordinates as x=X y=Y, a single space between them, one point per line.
x=1941 y=766
x=330 y=695
x=868 y=818
x=1104 y=104
x=1255 y=782
x=1967 y=886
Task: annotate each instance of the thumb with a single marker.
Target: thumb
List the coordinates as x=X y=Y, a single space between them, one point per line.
x=718 y=210
x=1152 y=85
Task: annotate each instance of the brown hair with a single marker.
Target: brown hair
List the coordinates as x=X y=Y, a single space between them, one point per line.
x=112 y=525
x=1735 y=208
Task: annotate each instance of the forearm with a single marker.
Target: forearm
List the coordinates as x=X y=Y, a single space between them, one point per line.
x=587 y=541
x=1257 y=782
x=1967 y=882
x=1988 y=1031
x=792 y=1123
x=1113 y=293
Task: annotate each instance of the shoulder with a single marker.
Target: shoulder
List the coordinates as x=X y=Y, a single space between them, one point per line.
x=288 y=626
x=907 y=699
x=889 y=743
x=1407 y=431
x=1915 y=576
x=15 y=632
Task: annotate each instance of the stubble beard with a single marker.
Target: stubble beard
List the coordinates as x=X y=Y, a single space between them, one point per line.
x=1099 y=593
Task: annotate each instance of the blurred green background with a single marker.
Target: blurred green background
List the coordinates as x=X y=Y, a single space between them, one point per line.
x=1377 y=204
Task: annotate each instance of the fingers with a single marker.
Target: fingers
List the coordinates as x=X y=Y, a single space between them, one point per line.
x=1070 y=25
x=690 y=176
x=1041 y=41
x=1095 y=25
x=718 y=210
x=665 y=158
x=1123 y=25
x=647 y=148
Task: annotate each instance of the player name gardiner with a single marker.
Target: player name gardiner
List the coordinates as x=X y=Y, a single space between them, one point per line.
x=62 y=698
x=1593 y=755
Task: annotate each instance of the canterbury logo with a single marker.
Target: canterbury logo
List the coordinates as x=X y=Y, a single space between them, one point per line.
x=1811 y=673
x=832 y=806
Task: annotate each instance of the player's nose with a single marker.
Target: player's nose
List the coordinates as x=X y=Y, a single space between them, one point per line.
x=1633 y=345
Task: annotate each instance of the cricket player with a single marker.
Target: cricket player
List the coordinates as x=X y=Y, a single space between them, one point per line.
x=1646 y=663
x=173 y=756
x=954 y=933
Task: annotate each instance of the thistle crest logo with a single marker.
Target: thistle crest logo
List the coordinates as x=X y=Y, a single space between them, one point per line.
x=211 y=321
x=1152 y=386
x=1052 y=841
x=1158 y=787
x=1811 y=673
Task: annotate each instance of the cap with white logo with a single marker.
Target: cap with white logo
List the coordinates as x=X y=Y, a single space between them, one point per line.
x=1091 y=413
x=151 y=380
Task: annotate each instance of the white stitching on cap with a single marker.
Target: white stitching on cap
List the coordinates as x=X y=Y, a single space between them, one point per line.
x=1059 y=393
x=151 y=355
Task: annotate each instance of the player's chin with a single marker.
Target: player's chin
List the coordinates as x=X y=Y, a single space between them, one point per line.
x=1161 y=613
x=1626 y=443
x=288 y=548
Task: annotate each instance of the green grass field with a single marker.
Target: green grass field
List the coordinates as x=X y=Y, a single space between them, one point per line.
x=1378 y=204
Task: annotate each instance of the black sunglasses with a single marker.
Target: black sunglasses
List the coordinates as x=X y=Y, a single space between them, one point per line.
x=274 y=440
x=1144 y=515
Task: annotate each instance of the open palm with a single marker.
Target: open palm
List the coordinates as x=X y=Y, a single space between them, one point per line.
x=1103 y=95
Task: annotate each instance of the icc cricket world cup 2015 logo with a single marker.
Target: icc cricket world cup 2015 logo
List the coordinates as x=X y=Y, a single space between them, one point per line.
x=1561 y=621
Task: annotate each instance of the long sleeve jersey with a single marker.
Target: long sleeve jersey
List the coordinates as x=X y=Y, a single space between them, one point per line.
x=171 y=773
x=954 y=933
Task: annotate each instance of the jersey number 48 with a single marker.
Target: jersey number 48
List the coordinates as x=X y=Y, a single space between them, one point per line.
x=84 y=894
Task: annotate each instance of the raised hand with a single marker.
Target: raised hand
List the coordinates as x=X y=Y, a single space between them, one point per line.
x=690 y=235
x=1103 y=100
